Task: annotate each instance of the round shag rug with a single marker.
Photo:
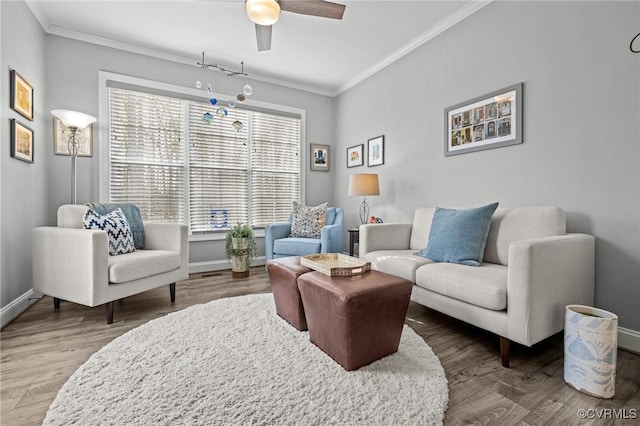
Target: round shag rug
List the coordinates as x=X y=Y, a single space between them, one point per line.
x=234 y=361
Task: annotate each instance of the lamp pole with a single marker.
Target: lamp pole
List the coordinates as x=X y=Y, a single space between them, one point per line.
x=73 y=149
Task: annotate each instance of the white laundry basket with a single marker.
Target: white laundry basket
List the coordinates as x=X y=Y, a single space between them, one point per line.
x=590 y=350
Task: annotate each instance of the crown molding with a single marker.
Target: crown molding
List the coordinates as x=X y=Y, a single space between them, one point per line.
x=151 y=52
x=155 y=53
x=41 y=17
x=434 y=31
x=442 y=26
x=159 y=54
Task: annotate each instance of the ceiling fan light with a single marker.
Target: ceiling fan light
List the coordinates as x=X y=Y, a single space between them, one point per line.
x=263 y=12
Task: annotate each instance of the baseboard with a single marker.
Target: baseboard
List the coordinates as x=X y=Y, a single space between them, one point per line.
x=18 y=306
x=218 y=265
x=629 y=339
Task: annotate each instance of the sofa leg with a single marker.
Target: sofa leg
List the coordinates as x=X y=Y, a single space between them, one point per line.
x=109 y=310
x=505 y=347
x=172 y=292
x=56 y=303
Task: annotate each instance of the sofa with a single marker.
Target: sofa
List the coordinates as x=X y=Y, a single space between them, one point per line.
x=73 y=264
x=530 y=271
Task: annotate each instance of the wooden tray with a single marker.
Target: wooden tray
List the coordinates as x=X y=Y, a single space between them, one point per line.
x=335 y=264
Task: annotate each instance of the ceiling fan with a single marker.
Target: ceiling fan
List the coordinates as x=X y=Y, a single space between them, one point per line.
x=265 y=13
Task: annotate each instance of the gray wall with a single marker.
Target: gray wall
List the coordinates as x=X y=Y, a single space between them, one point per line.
x=23 y=186
x=31 y=194
x=581 y=127
x=73 y=84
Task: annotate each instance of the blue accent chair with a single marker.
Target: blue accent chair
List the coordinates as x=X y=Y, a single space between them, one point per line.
x=279 y=244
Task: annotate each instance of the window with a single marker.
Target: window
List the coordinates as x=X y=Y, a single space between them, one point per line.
x=218 y=170
x=164 y=157
x=146 y=155
x=275 y=167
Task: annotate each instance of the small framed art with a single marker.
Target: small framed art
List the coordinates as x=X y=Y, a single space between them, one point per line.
x=61 y=135
x=320 y=157
x=354 y=156
x=21 y=142
x=21 y=96
x=489 y=121
x=375 y=151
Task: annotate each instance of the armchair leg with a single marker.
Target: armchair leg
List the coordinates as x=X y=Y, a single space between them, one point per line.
x=109 y=310
x=56 y=303
x=505 y=347
x=172 y=292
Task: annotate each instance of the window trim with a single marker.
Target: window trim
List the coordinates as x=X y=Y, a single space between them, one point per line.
x=102 y=134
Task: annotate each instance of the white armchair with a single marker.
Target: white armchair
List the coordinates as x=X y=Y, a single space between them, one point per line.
x=71 y=263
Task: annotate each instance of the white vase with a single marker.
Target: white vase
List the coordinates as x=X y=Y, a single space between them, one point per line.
x=590 y=350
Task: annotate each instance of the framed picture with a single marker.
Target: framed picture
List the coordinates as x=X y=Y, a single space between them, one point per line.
x=485 y=122
x=354 y=156
x=21 y=96
x=375 y=148
x=21 y=141
x=61 y=135
x=320 y=157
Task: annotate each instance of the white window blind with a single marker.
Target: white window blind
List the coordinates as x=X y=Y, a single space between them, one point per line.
x=146 y=154
x=218 y=170
x=220 y=178
x=275 y=167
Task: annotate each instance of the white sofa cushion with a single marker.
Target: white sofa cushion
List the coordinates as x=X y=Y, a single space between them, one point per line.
x=510 y=224
x=141 y=264
x=422 y=219
x=484 y=286
x=402 y=263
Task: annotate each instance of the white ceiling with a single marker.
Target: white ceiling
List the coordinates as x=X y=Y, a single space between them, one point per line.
x=320 y=55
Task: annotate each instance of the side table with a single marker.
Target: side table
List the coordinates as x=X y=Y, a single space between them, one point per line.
x=354 y=237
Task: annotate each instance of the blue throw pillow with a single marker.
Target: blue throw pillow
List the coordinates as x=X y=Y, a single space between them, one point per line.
x=117 y=228
x=459 y=236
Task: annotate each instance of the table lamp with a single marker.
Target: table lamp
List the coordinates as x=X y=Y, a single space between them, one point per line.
x=364 y=184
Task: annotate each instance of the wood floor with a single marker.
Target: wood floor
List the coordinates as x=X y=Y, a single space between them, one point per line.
x=42 y=348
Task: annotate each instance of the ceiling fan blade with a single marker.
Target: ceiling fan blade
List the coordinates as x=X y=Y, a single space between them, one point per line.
x=263 y=36
x=325 y=9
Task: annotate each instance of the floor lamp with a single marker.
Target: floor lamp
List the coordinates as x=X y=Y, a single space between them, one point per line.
x=364 y=184
x=75 y=122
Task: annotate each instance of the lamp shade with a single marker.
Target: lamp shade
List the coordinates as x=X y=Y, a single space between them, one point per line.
x=75 y=119
x=263 y=12
x=364 y=184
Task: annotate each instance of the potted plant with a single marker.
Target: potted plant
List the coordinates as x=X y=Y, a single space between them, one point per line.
x=241 y=248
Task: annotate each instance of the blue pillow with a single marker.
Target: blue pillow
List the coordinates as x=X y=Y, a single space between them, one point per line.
x=459 y=236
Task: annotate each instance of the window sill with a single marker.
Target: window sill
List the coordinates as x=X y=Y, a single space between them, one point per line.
x=218 y=236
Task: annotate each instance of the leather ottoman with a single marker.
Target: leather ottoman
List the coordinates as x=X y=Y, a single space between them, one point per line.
x=283 y=274
x=355 y=320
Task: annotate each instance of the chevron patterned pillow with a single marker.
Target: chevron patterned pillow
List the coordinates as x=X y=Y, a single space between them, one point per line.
x=117 y=228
